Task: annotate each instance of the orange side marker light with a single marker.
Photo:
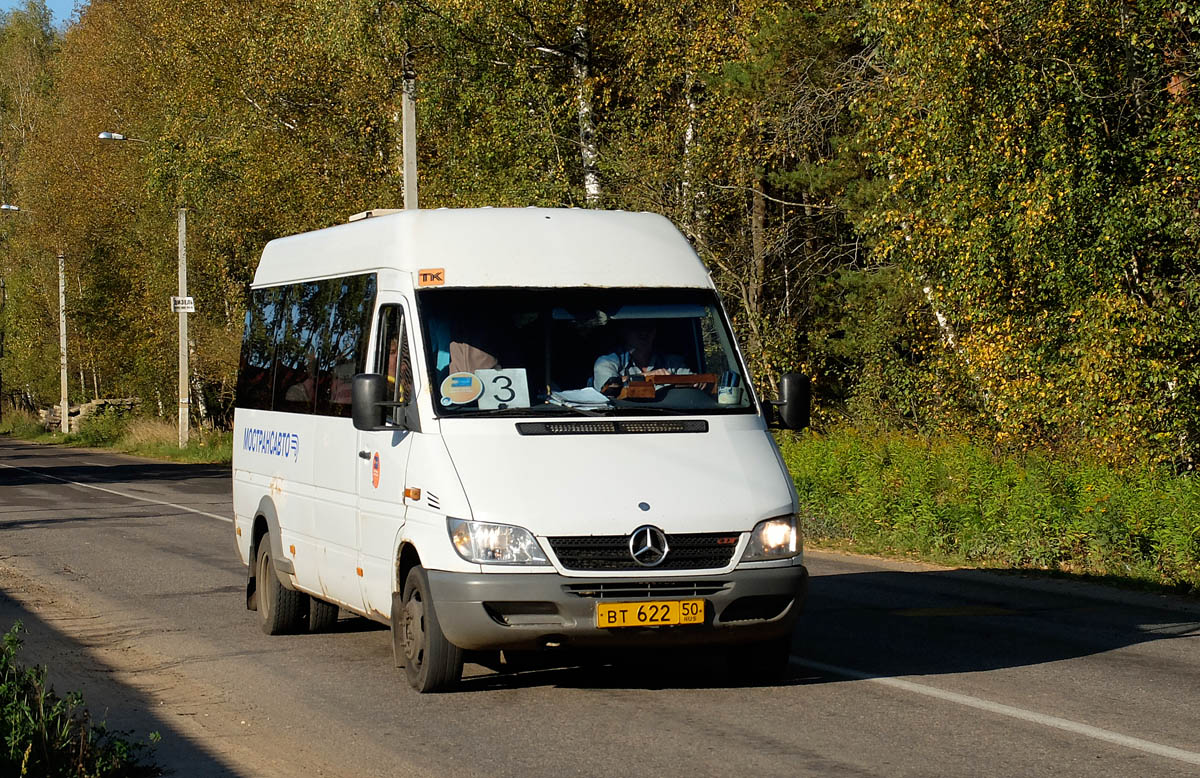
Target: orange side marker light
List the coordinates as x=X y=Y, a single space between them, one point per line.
x=359 y=569
x=292 y=549
x=412 y=493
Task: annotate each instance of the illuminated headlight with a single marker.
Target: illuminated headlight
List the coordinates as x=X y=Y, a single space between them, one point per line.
x=773 y=539
x=495 y=544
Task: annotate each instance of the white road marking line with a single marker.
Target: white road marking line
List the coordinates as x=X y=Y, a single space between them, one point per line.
x=225 y=519
x=1170 y=752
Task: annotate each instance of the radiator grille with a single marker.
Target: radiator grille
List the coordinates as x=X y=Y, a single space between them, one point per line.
x=688 y=551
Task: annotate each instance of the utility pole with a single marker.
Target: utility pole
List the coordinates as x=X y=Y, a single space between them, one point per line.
x=62 y=341
x=408 y=112
x=184 y=401
x=180 y=304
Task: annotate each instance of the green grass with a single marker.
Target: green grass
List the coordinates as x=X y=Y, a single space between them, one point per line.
x=948 y=500
x=43 y=735
x=151 y=438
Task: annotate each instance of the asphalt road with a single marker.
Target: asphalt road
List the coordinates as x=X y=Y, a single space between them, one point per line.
x=125 y=575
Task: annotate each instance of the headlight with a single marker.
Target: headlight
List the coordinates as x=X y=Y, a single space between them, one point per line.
x=495 y=544
x=776 y=538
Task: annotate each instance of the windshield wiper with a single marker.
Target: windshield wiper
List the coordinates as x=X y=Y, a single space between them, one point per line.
x=599 y=410
x=546 y=409
x=658 y=409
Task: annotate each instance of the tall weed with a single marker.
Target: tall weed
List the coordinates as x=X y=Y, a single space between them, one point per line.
x=21 y=424
x=44 y=735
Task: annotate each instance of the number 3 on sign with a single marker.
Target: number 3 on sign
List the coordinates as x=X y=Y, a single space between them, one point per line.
x=503 y=387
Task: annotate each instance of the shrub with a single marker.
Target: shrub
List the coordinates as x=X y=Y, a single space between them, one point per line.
x=950 y=499
x=42 y=734
x=103 y=428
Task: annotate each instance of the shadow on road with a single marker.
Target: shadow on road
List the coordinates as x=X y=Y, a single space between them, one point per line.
x=72 y=667
x=29 y=468
x=891 y=623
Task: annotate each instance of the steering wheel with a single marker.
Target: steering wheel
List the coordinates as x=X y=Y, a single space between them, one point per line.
x=646 y=387
x=705 y=381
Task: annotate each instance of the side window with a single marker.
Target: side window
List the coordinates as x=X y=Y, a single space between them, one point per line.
x=392 y=357
x=716 y=346
x=257 y=370
x=351 y=302
x=296 y=354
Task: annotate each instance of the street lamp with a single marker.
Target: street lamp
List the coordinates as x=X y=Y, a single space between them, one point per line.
x=180 y=304
x=119 y=136
x=62 y=331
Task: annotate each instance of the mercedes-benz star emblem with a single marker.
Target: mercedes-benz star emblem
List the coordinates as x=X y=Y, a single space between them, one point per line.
x=648 y=546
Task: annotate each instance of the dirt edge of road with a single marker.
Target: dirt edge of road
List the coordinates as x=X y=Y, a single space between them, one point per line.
x=205 y=731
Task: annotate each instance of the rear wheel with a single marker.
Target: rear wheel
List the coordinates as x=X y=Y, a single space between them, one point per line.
x=321 y=615
x=431 y=662
x=280 y=610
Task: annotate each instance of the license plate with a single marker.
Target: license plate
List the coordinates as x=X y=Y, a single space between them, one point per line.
x=657 y=613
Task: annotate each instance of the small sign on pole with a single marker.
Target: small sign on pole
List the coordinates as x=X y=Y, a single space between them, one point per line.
x=183 y=304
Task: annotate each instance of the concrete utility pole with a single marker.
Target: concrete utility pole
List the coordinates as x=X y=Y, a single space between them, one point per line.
x=183 y=304
x=3 y=332
x=408 y=121
x=62 y=341
x=184 y=400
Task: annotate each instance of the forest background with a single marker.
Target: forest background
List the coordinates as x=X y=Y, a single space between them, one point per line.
x=974 y=222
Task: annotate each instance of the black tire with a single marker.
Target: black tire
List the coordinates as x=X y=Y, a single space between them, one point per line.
x=280 y=610
x=321 y=615
x=762 y=662
x=431 y=662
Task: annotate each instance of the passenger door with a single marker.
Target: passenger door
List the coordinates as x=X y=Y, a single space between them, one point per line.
x=383 y=459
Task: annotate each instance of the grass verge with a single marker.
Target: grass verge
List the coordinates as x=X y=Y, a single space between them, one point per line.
x=51 y=736
x=152 y=438
x=947 y=500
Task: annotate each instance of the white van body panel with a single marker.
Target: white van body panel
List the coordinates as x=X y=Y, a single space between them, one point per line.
x=520 y=247
x=726 y=478
x=343 y=524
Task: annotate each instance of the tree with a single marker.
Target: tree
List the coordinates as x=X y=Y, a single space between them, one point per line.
x=1020 y=145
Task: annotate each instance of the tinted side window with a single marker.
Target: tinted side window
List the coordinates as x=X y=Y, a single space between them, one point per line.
x=296 y=354
x=256 y=373
x=392 y=357
x=350 y=302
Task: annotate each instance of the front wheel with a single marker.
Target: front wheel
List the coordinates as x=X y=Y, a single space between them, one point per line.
x=280 y=610
x=431 y=662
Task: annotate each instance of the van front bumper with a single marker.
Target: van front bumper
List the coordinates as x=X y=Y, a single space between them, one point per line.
x=520 y=611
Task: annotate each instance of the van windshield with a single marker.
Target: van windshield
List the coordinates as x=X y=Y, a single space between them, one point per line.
x=525 y=352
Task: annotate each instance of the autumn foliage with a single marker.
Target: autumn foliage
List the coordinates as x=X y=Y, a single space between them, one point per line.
x=974 y=217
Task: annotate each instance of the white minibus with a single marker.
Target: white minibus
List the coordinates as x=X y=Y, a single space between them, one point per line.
x=510 y=430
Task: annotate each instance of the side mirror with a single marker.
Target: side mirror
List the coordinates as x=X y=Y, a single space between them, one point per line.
x=366 y=401
x=795 y=399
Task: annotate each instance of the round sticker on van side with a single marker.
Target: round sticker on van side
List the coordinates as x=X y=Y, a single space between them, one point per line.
x=461 y=388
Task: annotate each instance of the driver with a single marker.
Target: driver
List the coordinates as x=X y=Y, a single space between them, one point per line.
x=637 y=358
